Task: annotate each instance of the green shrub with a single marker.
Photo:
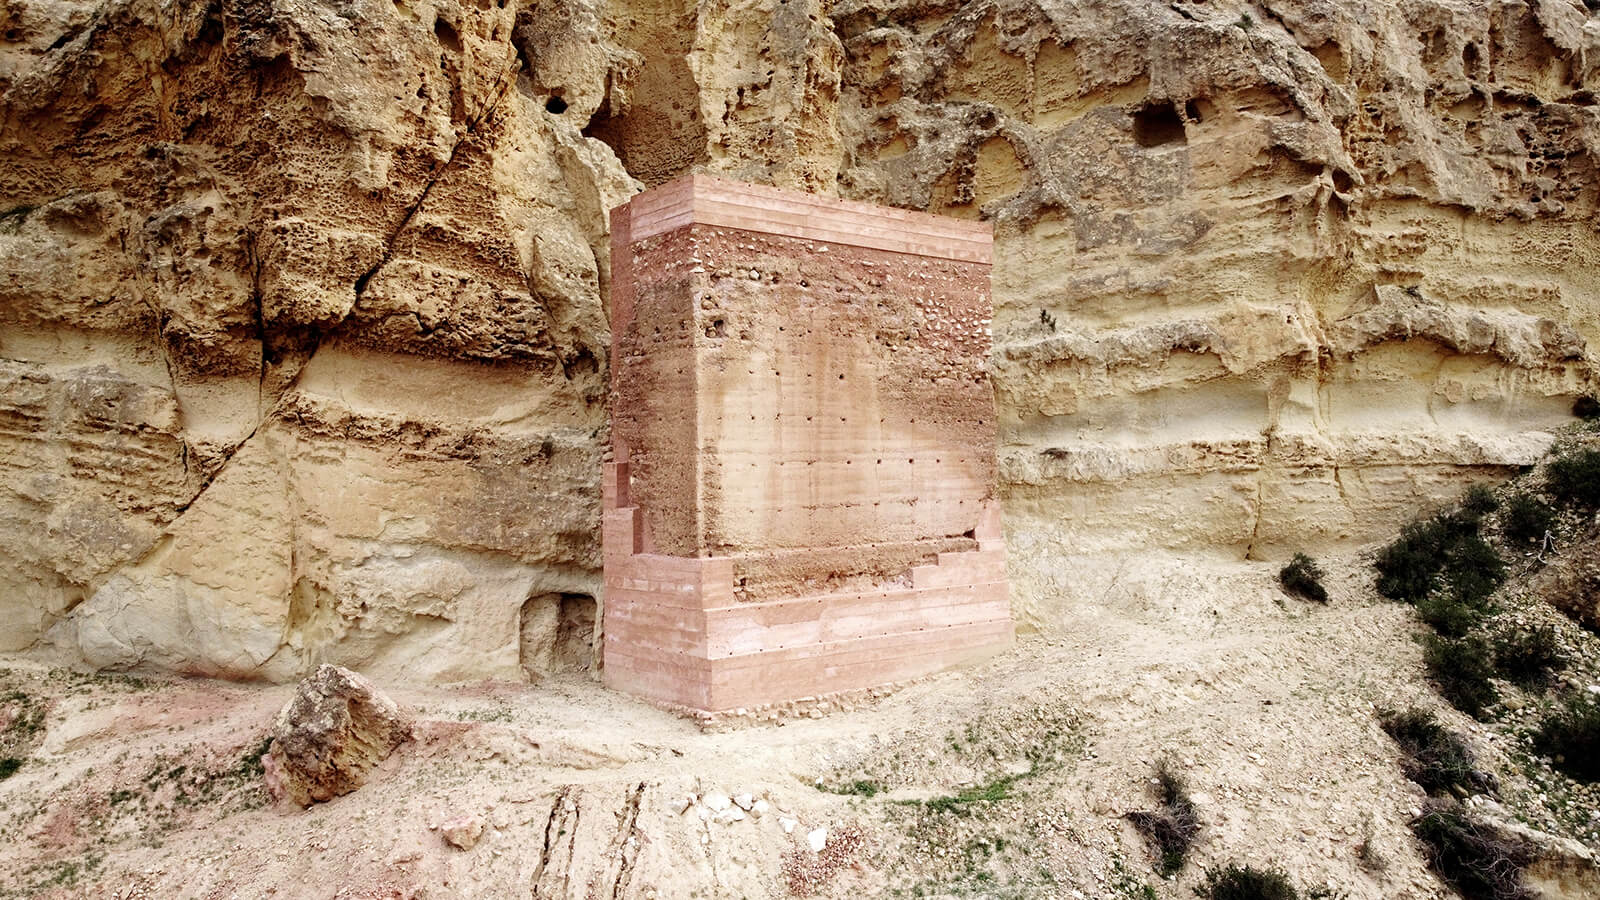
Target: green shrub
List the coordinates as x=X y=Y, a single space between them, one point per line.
x=1236 y=882
x=1526 y=655
x=1526 y=519
x=1479 y=501
x=1407 y=568
x=1302 y=577
x=1410 y=568
x=860 y=788
x=1173 y=827
x=1574 y=479
x=1570 y=736
x=9 y=767
x=1461 y=668
x=1473 y=569
x=1477 y=859
x=1448 y=615
x=1436 y=758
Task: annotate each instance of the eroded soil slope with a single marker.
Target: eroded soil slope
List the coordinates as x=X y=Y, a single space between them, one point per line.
x=1010 y=779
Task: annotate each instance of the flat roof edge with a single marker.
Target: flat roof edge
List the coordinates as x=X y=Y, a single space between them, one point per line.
x=723 y=203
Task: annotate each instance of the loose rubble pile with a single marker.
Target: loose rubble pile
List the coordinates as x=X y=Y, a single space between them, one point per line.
x=719 y=807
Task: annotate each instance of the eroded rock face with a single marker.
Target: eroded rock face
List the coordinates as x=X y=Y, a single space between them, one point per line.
x=1261 y=283
x=328 y=739
x=302 y=329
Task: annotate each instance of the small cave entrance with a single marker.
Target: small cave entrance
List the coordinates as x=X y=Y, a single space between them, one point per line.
x=556 y=634
x=1158 y=124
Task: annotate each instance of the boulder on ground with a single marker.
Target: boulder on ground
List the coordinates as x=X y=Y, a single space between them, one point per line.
x=327 y=740
x=462 y=832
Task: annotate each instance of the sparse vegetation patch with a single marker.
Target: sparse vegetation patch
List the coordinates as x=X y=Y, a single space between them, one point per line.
x=1449 y=615
x=1436 y=759
x=861 y=787
x=1526 y=519
x=1573 y=478
x=1462 y=669
x=1236 y=882
x=1171 y=829
x=992 y=791
x=1479 y=501
x=22 y=726
x=1477 y=859
x=1303 y=578
x=973 y=828
x=1528 y=654
x=1570 y=736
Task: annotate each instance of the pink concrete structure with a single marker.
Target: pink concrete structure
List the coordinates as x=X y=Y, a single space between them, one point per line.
x=801 y=499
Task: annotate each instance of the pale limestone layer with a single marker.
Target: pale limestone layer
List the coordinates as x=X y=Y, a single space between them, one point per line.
x=1262 y=283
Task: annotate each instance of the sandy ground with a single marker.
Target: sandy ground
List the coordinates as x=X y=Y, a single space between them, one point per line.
x=1006 y=779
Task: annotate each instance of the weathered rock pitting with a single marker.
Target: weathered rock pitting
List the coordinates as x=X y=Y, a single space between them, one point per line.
x=302 y=305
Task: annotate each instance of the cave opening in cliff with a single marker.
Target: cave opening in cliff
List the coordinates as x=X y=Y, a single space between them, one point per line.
x=556 y=634
x=1158 y=124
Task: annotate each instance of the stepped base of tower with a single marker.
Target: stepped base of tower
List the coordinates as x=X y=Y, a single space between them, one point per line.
x=675 y=632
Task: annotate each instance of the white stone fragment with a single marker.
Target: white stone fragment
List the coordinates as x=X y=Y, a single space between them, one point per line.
x=729 y=816
x=817 y=839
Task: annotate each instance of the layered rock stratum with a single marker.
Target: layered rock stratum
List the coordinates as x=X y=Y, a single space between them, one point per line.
x=302 y=304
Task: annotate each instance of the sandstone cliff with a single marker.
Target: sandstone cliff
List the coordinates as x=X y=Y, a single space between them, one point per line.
x=301 y=303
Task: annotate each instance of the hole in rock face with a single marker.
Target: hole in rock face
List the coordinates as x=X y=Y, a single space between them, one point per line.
x=1342 y=182
x=555 y=105
x=1158 y=124
x=557 y=634
x=447 y=35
